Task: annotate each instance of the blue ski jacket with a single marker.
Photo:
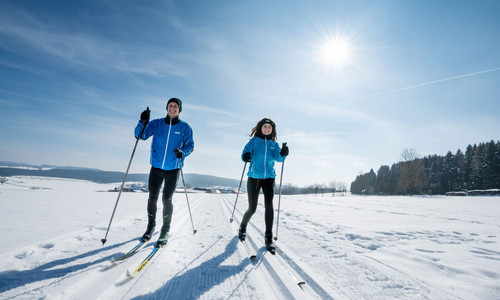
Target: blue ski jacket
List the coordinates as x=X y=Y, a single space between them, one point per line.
x=167 y=135
x=264 y=153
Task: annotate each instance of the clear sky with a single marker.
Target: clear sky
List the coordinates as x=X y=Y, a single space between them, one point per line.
x=75 y=76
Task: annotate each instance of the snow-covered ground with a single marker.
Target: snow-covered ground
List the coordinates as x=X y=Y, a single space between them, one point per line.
x=342 y=247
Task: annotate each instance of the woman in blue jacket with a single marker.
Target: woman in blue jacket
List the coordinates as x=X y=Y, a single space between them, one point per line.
x=172 y=142
x=262 y=151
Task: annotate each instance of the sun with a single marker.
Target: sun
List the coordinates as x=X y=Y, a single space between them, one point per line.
x=336 y=52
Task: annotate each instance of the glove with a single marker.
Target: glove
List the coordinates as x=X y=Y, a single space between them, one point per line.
x=247 y=157
x=145 y=116
x=284 y=151
x=178 y=153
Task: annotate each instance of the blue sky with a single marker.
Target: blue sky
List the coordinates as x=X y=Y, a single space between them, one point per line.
x=75 y=76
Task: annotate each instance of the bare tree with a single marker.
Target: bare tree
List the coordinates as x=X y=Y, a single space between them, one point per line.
x=342 y=187
x=411 y=178
x=333 y=187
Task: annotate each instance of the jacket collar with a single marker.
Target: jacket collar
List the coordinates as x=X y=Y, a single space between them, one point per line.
x=174 y=120
x=264 y=137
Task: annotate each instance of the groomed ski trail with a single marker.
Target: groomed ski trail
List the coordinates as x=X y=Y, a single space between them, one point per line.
x=211 y=264
x=273 y=277
x=348 y=274
x=207 y=265
x=108 y=281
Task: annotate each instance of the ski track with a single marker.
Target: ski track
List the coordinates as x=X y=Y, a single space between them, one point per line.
x=284 y=287
x=355 y=274
x=205 y=268
x=365 y=279
x=349 y=275
x=335 y=261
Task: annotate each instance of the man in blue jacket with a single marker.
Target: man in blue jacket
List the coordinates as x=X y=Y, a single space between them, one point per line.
x=172 y=142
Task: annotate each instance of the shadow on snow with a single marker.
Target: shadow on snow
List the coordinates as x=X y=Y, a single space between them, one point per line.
x=195 y=282
x=12 y=279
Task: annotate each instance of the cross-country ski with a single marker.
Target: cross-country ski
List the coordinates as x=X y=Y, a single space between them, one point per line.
x=250 y=254
x=143 y=264
x=128 y=254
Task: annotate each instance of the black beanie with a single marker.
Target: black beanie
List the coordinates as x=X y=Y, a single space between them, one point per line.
x=176 y=100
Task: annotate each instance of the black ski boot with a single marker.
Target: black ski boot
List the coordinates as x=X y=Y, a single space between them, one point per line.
x=149 y=232
x=162 y=240
x=242 y=235
x=269 y=244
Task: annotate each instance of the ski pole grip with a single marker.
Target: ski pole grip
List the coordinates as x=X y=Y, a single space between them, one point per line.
x=283 y=146
x=145 y=123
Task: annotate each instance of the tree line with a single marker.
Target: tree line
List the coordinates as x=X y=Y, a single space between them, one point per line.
x=332 y=188
x=476 y=169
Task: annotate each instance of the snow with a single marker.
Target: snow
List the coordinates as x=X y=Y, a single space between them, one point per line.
x=348 y=247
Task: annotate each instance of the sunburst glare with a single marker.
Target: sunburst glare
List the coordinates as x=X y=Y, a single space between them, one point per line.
x=336 y=52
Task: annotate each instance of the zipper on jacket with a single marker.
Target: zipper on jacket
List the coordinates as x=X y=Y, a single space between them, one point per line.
x=166 y=146
x=265 y=156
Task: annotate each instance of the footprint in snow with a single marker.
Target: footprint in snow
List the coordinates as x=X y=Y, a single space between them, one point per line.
x=47 y=246
x=385 y=233
x=430 y=251
x=353 y=237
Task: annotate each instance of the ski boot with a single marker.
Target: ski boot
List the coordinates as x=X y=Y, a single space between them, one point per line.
x=149 y=232
x=269 y=244
x=242 y=235
x=162 y=241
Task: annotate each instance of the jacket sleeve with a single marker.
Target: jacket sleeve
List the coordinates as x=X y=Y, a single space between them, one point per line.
x=248 y=148
x=148 y=131
x=276 y=154
x=187 y=141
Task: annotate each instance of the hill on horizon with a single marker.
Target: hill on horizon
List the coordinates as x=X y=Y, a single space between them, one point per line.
x=100 y=176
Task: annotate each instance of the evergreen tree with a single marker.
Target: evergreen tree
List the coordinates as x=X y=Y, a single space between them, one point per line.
x=448 y=169
x=469 y=156
x=372 y=179
x=477 y=164
x=497 y=165
x=356 y=185
x=434 y=181
x=489 y=167
x=383 y=179
x=459 y=180
x=478 y=168
x=393 y=180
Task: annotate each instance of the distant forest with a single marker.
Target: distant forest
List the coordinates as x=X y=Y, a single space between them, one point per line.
x=476 y=169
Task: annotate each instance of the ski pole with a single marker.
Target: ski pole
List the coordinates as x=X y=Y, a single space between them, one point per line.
x=279 y=197
x=123 y=182
x=241 y=180
x=189 y=208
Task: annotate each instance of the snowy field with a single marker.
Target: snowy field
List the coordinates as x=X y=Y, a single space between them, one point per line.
x=342 y=247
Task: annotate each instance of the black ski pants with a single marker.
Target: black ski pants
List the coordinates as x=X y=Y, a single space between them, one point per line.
x=156 y=178
x=253 y=189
